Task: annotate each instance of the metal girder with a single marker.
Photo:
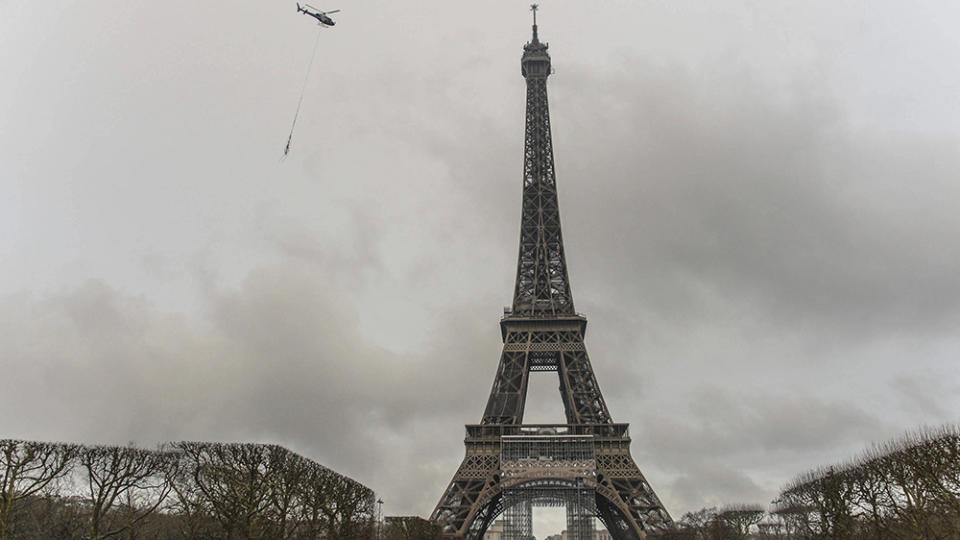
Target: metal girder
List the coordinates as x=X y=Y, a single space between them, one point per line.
x=536 y=346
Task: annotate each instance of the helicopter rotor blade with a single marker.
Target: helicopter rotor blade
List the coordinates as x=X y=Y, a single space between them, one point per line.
x=313 y=8
x=329 y=12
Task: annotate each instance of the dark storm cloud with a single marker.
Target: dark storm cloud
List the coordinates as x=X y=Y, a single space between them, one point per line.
x=728 y=189
x=731 y=424
x=279 y=360
x=718 y=186
x=711 y=483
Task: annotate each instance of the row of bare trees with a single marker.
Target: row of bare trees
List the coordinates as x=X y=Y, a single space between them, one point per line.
x=728 y=523
x=186 y=490
x=905 y=489
x=909 y=488
x=409 y=528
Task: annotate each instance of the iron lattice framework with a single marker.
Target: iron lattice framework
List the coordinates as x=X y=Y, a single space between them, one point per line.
x=584 y=464
x=543 y=287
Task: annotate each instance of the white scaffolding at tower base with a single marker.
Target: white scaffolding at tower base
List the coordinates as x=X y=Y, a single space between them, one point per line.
x=547 y=470
x=580 y=504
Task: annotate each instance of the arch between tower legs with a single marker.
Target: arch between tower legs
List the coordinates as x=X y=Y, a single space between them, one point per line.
x=498 y=498
x=507 y=464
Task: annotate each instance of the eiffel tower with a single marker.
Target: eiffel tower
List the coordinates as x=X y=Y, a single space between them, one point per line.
x=584 y=464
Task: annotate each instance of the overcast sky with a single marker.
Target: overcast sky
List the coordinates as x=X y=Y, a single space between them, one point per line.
x=759 y=202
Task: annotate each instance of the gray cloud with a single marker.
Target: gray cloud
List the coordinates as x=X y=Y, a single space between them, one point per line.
x=758 y=210
x=715 y=188
x=709 y=483
x=730 y=424
x=278 y=354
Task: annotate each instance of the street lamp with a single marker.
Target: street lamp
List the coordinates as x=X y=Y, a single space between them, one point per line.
x=379 y=519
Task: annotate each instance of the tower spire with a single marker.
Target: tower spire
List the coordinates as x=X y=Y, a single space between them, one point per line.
x=533 y=8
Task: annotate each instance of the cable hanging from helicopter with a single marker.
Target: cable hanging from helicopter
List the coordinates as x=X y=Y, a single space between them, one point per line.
x=323 y=21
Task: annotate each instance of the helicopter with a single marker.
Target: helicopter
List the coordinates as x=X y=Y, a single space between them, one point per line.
x=317 y=14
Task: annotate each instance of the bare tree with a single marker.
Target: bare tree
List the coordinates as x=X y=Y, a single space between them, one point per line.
x=233 y=481
x=315 y=494
x=134 y=478
x=349 y=509
x=794 y=518
x=696 y=525
x=27 y=469
x=286 y=473
x=827 y=497
x=936 y=460
x=739 y=519
x=187 y=504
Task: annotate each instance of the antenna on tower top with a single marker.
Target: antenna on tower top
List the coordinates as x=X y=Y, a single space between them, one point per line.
x=533 y=8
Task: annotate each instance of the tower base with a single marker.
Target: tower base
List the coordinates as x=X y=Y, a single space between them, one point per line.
x=505 y=462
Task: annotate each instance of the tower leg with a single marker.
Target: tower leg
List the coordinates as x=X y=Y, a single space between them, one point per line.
x=509 y=393
x=632 y=505
x=467 y=495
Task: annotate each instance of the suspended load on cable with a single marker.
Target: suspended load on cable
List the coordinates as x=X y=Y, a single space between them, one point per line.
x=324 y=21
